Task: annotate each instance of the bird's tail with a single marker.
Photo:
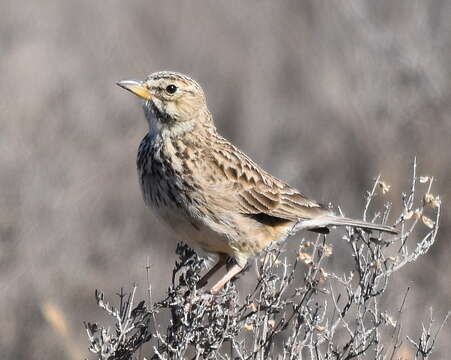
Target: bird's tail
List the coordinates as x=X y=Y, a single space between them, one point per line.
x=324 y=221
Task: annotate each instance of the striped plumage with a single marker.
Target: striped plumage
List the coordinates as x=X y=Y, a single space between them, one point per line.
x=206 y=189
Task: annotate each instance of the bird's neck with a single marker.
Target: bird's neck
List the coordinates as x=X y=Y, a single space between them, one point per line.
x=167 y=128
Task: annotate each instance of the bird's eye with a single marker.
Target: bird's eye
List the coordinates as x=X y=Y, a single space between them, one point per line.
x=171 y=89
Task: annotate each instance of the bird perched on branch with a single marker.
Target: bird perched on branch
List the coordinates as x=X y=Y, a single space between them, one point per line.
x=212 y=194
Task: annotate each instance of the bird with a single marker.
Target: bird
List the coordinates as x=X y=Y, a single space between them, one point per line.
x=214 y=196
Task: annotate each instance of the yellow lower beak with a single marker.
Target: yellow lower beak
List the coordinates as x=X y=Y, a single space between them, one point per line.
x=136 y=87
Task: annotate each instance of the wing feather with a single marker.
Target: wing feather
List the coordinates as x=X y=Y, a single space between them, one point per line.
x=241 y=184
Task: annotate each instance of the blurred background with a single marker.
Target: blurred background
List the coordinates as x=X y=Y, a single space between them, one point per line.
x=324 y=94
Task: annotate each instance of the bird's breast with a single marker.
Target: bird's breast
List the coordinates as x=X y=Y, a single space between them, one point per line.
x=157 y=175
x=166 y=175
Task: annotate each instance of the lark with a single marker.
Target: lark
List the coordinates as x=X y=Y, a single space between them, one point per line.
x=215 y=197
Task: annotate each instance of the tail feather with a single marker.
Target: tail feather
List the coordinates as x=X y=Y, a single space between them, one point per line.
x=332 y=220
x=343 y=221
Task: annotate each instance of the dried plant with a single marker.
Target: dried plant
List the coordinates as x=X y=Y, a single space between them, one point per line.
x=304 y=309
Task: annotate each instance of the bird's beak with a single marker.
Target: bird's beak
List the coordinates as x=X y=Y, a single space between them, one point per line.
x=136 y=87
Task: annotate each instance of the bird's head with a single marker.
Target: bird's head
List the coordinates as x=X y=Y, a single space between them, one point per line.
x=169 y=98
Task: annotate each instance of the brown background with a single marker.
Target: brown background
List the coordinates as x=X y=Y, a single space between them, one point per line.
x=324 y=94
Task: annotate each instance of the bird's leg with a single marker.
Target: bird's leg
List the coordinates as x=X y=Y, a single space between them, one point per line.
x=221 y=262
x=234 y=270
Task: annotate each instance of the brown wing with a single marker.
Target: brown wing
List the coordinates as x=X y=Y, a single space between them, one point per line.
x=241 y=183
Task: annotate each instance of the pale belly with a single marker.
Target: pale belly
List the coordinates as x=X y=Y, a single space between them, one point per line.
x=195 y=234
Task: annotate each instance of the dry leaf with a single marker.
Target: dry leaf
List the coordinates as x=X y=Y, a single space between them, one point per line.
x=375 y=264
x=306 y=258
x=384 y=186
x=428 y=198
x=320 y=328
x=272 y=323
x=252 y=307
x=324 y=273
x=428 y=222
x=327 y=250
x=248 y=327
x=431 y=200
x=436 y=202
x=408 y=215
x=389 y=319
